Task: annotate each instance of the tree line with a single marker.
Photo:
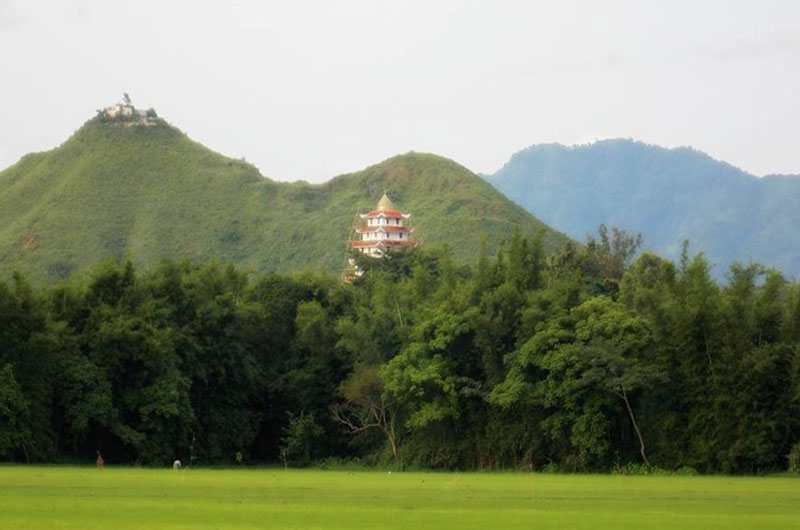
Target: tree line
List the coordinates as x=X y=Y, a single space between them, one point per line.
x=595 y=358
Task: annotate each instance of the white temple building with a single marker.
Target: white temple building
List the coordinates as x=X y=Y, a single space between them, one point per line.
x=125 y=111
x=383 y=229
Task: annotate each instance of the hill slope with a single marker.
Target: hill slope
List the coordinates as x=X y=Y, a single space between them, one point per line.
x=666 y=194
x=152 y=193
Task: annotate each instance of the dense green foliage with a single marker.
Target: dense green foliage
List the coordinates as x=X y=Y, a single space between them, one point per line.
x=149 y=192
x=667 y=194
x=587 y=360
x=86 y=499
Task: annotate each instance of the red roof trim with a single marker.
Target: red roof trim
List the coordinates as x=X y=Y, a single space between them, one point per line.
x=385 y=228
x=391 y=214
x=382 y=243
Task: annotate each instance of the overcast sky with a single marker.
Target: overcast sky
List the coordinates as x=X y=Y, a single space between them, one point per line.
x=308 y=90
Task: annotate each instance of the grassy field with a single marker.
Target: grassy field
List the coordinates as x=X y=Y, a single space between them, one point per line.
x=45 y=497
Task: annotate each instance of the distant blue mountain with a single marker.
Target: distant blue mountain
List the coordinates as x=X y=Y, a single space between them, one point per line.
x=666 y=194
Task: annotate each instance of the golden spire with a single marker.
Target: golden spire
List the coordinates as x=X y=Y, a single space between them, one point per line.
x=385 y=204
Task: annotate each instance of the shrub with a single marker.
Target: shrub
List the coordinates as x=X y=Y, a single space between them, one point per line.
x=686 y=471
x=552 y=468
x=633 y=468
x=335 y=463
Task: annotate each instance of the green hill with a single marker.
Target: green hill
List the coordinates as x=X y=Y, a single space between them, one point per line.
x=151 y=193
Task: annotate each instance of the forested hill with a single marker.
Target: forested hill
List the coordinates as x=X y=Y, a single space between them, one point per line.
x=666 y=194
x=149 y=192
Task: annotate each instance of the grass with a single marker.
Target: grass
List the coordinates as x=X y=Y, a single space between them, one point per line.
x=152 y=193
x=56 y=497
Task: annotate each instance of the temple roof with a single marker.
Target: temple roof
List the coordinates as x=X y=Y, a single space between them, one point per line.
x=389 y=214
x=385 y=208
x=385 y=205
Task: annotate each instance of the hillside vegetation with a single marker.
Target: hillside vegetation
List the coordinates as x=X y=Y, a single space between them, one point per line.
x=152 y=193
x=666 y=194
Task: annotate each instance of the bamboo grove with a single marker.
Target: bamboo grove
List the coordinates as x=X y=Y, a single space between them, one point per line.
x=592 y=359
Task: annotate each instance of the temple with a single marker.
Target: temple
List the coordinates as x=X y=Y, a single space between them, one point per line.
x=125 y=112
x=383 y=229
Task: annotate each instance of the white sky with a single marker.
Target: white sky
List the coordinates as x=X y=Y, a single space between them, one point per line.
x=308 y=90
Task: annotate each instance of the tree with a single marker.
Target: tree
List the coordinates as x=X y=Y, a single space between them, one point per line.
x=299 y=436
x=423 y=384
x=525 y=261
x=614 y=343
x=572 y=361
x=14 y=432
x=82 y=391
x=611 y=255
x=446 y=367
x=365 y=405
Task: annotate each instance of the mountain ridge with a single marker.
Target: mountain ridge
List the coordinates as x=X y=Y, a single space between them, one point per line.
x=667 y=194
x=152 y=193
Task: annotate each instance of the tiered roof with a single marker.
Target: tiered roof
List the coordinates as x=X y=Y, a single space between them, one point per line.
x=375 y=239
x=385 y=208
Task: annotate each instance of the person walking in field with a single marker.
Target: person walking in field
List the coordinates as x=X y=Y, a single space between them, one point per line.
x=100 y=462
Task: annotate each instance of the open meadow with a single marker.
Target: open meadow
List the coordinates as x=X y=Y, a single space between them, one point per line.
x=85 y=498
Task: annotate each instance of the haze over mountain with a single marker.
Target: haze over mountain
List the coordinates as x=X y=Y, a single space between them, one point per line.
x=668 y=195
x=150 y=192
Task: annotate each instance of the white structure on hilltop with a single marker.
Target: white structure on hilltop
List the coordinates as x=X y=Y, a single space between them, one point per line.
x=383 y=229
x=125 y=111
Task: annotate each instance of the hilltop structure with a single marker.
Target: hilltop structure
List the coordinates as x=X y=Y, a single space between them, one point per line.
x=383 y=229
x=126 y=112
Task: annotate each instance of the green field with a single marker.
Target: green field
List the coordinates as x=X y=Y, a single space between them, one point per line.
x=45 y=497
